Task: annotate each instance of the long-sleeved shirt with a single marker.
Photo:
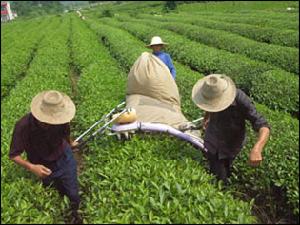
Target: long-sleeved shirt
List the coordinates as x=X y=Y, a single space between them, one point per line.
x=41 y=145
x=226 y=131
x=165 y=57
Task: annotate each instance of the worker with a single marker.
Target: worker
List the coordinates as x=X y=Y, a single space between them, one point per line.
x=44 y=135
x=227 y=108
x=157 y=45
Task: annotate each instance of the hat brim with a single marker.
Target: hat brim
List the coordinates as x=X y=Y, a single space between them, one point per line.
x=219 y=104
x=149 y=46
x=61 y=117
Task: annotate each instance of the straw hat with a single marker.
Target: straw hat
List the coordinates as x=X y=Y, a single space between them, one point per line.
x=156 y=41
x=214 y=93
x=53 y=107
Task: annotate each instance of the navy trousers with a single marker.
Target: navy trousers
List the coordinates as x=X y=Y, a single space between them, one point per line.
x=64 y=177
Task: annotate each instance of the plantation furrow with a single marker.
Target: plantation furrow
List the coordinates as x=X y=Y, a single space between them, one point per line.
x=73 y=70
x=255 y=78
x=282 y=57
x=48 y=70
x=284 y=128
x=14 y=64
x=87 y=54
x=288 y=38
x=135 y=180
x=74 y=75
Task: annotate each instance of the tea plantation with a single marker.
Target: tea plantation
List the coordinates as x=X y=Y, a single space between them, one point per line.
x=156 y=178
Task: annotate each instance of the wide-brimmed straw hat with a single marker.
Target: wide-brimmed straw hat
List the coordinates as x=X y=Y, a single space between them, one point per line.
x=156 y=41
x=214 y=92
x=53 y=107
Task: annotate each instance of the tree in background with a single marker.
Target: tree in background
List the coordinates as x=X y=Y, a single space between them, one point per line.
x=36 y=8
x=169 y=6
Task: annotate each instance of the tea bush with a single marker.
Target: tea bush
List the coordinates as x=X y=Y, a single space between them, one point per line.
x=257 y=19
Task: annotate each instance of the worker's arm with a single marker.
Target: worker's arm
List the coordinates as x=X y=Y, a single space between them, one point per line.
x=39 y=170
x=17 y=147
x=173 y=71
x=255 y=155
x=259 y=124
x=171 y=67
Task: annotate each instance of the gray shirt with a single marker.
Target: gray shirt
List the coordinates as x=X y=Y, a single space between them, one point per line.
x=226 y=131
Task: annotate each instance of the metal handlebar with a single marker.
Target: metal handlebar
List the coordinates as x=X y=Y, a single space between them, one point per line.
x=102 y=128
x=102 y=119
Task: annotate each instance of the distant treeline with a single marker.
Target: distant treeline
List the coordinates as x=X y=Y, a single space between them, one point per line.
x=39 y=8
x=36 y=8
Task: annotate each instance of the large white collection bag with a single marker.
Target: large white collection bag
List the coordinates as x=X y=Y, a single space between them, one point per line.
x=153 y=93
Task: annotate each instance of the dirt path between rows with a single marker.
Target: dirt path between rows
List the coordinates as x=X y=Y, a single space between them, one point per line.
x=74 y=75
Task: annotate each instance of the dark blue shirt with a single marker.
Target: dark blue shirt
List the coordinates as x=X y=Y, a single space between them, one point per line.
x=165 y=57
x=226 y=131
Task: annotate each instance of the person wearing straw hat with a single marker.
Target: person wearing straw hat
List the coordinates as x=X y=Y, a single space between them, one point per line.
x=44 y=135
x=157 y=45
x=227 y=108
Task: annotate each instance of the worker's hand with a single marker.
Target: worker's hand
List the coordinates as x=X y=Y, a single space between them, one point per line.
x=74 y=144
x=40 y=170
x=255 y=157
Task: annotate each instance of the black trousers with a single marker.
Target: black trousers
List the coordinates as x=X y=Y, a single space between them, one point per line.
x=219 y=167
